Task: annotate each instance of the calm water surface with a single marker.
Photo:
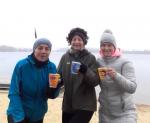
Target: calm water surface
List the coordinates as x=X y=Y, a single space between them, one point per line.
x=141 y=63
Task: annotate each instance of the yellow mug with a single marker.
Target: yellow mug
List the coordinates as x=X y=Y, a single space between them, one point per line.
x=102 y=72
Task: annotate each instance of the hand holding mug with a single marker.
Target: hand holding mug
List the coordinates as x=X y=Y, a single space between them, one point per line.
x=111 y=72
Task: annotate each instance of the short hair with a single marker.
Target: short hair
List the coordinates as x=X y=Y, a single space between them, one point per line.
x=77 y=31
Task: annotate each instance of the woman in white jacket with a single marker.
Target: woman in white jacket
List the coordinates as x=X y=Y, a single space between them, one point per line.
x=118 y=83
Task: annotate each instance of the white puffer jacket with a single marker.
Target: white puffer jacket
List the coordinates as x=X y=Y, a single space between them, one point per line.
x=116 y=99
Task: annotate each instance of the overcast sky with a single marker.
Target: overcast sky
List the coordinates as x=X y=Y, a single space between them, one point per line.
x=129 y=21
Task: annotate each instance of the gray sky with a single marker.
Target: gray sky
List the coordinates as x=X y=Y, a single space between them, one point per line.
x=128 y=19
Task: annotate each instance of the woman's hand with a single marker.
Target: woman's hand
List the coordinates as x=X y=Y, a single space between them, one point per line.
x=111 y=72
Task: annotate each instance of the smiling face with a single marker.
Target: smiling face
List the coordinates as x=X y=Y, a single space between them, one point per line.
x=107 y=49
x=42 y=52
x=77 y=43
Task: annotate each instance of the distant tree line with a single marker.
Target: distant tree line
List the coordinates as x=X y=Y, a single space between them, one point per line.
x=136 y=52
x=96 y=50
x=5 y=48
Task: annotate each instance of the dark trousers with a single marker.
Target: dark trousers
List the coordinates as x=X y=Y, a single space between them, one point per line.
x=79 y=116
x=10 y=120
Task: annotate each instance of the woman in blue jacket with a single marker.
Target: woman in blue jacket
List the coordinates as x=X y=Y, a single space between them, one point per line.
x=29 y=88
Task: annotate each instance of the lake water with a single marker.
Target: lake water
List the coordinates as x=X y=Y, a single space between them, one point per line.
x=141 y=63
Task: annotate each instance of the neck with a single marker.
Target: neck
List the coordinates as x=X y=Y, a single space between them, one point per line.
x=76 y=51
x=38 y=63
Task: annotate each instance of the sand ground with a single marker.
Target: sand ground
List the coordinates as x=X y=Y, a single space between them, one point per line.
x=54 y=112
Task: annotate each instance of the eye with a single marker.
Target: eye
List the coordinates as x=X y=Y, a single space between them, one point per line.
x=103 y=45
x=40 y=48
x=47 y=48
x=109 y=45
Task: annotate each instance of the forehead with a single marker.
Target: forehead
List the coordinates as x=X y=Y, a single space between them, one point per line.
x=76 y=36
x=43 y=46
x=107 y=44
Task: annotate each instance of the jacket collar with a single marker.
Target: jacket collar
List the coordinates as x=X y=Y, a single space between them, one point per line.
x=32 y=60
x=80 y=53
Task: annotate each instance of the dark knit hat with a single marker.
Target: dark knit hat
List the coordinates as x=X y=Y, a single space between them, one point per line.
x=107 y=37
x=42 y=41
x=77 y=31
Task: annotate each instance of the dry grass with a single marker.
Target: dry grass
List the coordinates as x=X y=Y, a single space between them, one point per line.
x=54 y=112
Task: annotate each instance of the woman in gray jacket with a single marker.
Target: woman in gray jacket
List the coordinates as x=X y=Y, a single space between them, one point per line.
x=79 y=101
x=118 y=83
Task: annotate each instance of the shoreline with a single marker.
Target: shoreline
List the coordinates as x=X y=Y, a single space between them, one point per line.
x=5 y=91
x=54 y=110
x=4 y=88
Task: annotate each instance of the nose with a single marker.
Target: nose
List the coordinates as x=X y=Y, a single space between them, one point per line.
x=76 y=41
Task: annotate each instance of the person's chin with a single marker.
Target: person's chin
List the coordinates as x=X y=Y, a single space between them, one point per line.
x=43 y=59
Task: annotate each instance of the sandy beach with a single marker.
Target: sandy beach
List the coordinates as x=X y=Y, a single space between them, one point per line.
x=54 y=112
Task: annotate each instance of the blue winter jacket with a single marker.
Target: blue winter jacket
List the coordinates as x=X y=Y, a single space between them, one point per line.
x=28 y=90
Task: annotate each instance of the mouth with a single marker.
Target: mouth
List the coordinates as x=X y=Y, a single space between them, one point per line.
x=107 y=52
x=76 y=46
x=44 y=56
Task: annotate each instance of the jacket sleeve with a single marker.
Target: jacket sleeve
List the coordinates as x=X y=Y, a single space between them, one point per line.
x=60 y=65
x=52 y=93
x=15 y=106
x=59 y=70
x=127 y=80
x=91 y=76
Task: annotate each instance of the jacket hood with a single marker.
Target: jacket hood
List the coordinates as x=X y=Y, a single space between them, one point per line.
x=117 y=53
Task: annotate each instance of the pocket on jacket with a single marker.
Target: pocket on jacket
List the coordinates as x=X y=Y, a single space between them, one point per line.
x=115 y=106
x=129 y=103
